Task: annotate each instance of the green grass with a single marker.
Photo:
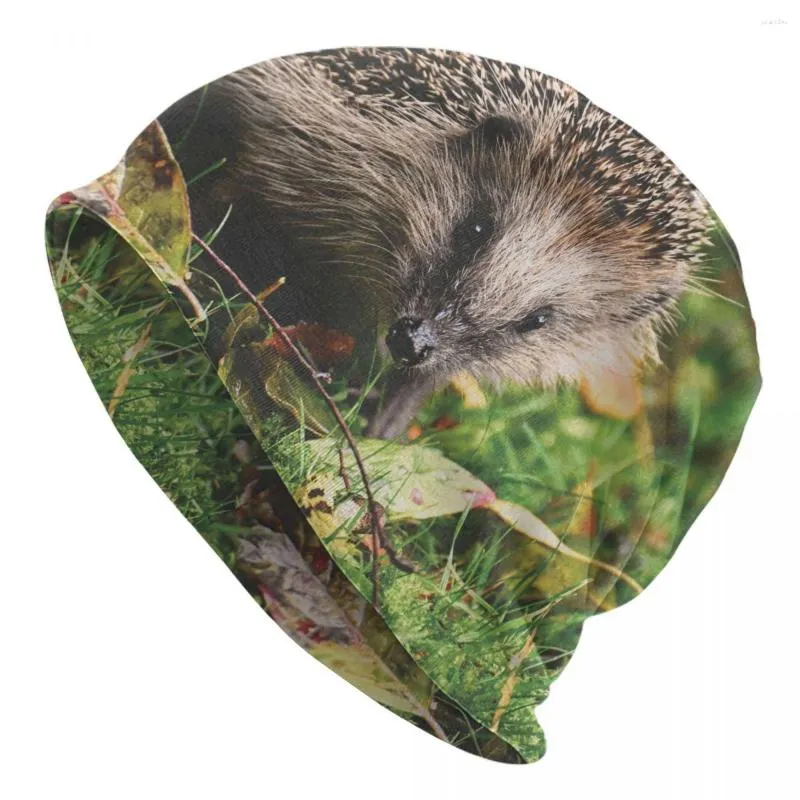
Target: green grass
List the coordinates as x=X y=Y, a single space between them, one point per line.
x=517 y=518
x=174 y=413
x=178 y=419
x=623 y=491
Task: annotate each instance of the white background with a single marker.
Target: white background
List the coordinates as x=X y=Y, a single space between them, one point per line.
x=135 y=666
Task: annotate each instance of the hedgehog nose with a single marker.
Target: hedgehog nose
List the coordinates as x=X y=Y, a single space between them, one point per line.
x=411 y=340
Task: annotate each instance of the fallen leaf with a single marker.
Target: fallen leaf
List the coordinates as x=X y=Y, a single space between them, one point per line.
x=530 y=525
x=612 y=394
x=144 y=199
x=300 y=603
x=470 y=390
x=326 y=346
x=410 y=481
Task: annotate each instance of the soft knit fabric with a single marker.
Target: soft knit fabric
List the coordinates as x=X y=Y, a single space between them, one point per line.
x=440 y=540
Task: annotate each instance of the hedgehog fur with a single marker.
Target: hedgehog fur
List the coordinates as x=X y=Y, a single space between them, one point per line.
x=492 y=218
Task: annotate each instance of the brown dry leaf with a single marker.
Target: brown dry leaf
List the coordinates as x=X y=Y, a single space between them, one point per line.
x=302 y=605
x=583 y=521
x=531 y=526
x=127 y=370
x=414 y=431
x=469 y=389
x=444 y=423
x=507 y=692
x=612 y=394
x=326 y=346
x=359 y=665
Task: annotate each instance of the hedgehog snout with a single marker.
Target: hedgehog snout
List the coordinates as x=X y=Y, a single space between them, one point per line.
x=411 y=340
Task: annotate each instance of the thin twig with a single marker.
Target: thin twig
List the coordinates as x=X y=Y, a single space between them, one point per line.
x=127 y=371
x=343 y=471
x=376 y=517
x=510 y=683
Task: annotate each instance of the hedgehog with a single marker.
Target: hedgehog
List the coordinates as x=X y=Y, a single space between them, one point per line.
x=476 y=216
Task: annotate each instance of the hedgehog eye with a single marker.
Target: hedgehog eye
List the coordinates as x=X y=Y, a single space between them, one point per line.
x=473 y=231
x=535 y=320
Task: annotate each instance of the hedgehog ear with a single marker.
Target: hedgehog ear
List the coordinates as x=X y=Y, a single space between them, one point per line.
x=492 y=132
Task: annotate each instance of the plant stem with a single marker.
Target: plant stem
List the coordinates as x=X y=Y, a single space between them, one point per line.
x=375 y=512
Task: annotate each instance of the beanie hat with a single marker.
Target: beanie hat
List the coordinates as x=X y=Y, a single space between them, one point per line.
x=439 y=357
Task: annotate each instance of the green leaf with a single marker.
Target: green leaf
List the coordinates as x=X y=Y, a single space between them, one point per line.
x=144 y=199
x=485 y=658
x=409 y=481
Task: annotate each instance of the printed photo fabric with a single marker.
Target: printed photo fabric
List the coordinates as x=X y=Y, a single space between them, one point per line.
x=438 y=356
